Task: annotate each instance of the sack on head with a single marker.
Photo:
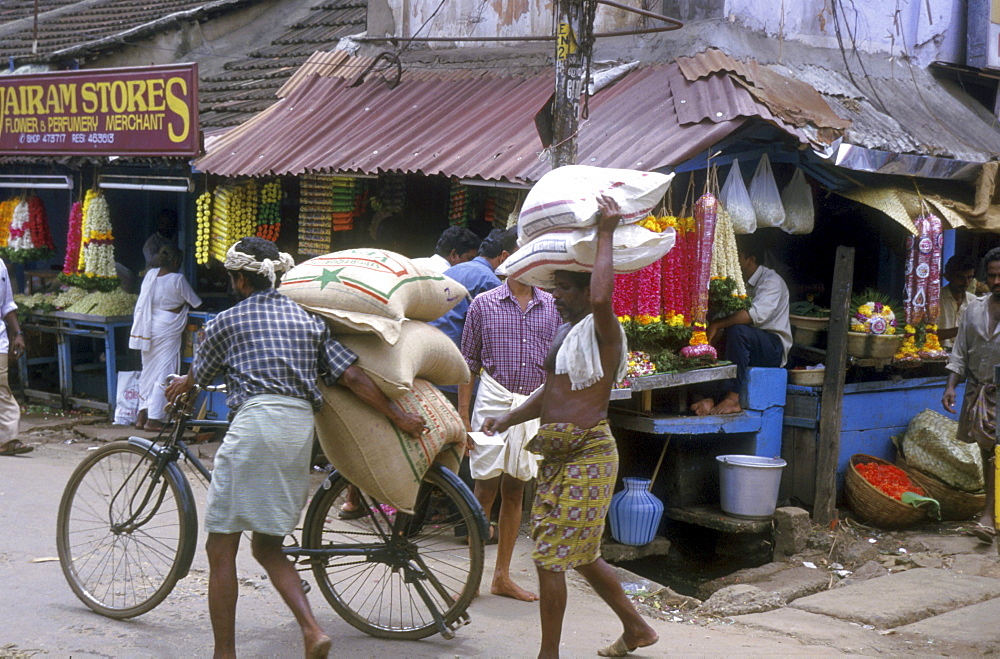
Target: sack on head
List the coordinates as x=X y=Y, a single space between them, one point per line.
x=370 y=291
x=565 y=198
x=536 y=262
x=372 y=453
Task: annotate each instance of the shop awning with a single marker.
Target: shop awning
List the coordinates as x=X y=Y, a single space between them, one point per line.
x=481 y=127
x=903 y=205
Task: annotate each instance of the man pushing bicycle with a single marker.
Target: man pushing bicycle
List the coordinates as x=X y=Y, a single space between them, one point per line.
x=270 y=353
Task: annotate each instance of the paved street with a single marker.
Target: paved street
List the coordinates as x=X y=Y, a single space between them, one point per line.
x=922 y=611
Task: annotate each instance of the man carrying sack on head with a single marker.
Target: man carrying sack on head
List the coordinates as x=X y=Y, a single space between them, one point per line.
x=576 y=476
x=976 y=351
x=271 y=353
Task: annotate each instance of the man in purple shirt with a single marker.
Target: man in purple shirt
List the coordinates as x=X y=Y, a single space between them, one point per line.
x=508 y=331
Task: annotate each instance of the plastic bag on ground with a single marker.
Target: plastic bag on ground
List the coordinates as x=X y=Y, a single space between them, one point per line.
x=797 y=200
x=736 y=200
x=765 y=197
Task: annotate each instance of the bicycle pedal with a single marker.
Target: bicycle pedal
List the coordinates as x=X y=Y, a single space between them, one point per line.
x=306 y=586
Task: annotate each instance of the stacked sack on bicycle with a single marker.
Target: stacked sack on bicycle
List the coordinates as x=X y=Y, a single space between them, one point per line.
x=377 y=303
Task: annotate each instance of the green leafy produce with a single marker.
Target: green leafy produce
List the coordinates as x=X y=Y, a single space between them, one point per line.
x=807 y=308
x=105 y=303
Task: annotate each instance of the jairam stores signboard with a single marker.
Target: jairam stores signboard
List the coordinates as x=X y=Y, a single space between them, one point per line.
x=126 y=111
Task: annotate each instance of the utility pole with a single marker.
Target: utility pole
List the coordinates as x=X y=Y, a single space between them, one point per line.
x=573 y=45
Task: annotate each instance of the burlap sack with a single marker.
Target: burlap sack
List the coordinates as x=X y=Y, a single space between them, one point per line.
x=370 y=291
x=536 y=262
x=422 y=351
x=931 y=445
x=372 y=453
x=565 y=198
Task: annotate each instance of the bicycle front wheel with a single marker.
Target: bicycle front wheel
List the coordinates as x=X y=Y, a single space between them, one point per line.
x=123 y=539
x=393 y=575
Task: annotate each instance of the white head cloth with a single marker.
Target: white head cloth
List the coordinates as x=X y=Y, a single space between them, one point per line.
x=242 y=261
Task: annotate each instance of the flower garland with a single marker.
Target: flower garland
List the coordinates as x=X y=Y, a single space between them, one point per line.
x=73 y=240
x=705 y=211
x=95 y=263
x=923 y=292
x=29 y=236
x=725 y=258
x=6 y=217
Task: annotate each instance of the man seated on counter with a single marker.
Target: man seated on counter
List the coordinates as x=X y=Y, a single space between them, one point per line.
x=760 y=336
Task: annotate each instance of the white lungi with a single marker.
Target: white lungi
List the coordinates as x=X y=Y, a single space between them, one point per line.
x=262 y=470
x=487 y=462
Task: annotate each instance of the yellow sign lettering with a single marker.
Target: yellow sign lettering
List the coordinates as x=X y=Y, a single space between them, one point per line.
x=180 y=107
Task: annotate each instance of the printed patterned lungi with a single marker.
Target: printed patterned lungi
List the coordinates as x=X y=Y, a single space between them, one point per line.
x=576 y=479
x=262 y=470
x=977 y=420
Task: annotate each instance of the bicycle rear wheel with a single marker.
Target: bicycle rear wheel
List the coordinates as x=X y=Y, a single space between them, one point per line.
x=404 y=569
x=123 y=540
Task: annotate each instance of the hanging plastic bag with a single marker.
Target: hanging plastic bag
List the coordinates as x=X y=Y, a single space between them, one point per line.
x=765 y=197
x=736 y=200
x=798 y=203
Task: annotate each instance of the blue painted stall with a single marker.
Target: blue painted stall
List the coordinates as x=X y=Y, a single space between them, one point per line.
x=689 y=475
x=873 y=412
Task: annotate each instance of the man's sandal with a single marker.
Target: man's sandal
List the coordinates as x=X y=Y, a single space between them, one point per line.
x=617 y=649
x=985 y=533
x=15 y=447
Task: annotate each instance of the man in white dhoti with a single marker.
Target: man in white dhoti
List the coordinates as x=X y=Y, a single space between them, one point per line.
x=507 y=333
x=161 y=314
x=11 y=347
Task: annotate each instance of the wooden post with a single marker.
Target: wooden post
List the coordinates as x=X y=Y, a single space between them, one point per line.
x=832 y=398
x=572 y=57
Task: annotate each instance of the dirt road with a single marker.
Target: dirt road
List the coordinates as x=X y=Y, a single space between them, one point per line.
x=40 y=615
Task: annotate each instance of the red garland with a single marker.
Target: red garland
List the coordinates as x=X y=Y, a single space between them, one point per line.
x=38 y=224
x=73 y=239
x=648 y=301
x=624 y=297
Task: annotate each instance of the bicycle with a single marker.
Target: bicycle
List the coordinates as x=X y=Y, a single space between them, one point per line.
x=128 y=525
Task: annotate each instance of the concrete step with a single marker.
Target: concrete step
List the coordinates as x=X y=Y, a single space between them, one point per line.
x=902 y=598
x=970 y=630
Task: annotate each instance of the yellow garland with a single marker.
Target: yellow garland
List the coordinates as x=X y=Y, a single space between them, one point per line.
x=698 y=338
x=908 y=350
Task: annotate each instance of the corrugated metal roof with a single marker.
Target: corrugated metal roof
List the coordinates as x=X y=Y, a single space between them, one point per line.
x=903 y=110
x=479 y=127
x=790 y=101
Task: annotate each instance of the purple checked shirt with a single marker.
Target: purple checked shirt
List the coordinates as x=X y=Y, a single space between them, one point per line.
x=510 y=344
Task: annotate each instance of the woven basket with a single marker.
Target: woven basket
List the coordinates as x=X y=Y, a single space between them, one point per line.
x=955 y=504
x=874 y=506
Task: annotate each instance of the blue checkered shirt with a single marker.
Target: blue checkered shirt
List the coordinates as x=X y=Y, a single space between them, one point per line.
x=267 y=344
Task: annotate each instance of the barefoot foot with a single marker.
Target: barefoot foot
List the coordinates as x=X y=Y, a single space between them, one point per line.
x=702 y=407
x=319 y=647
x=728 y=405
x=507 y=588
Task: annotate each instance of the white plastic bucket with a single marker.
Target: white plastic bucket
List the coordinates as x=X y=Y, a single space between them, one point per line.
x=748 y=485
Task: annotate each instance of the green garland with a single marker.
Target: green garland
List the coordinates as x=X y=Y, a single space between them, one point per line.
x=655 y=337
x=26 y=255
x=723 y=300
x=90 y=283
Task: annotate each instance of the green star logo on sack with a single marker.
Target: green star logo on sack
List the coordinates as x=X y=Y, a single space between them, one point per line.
x=329 y=277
